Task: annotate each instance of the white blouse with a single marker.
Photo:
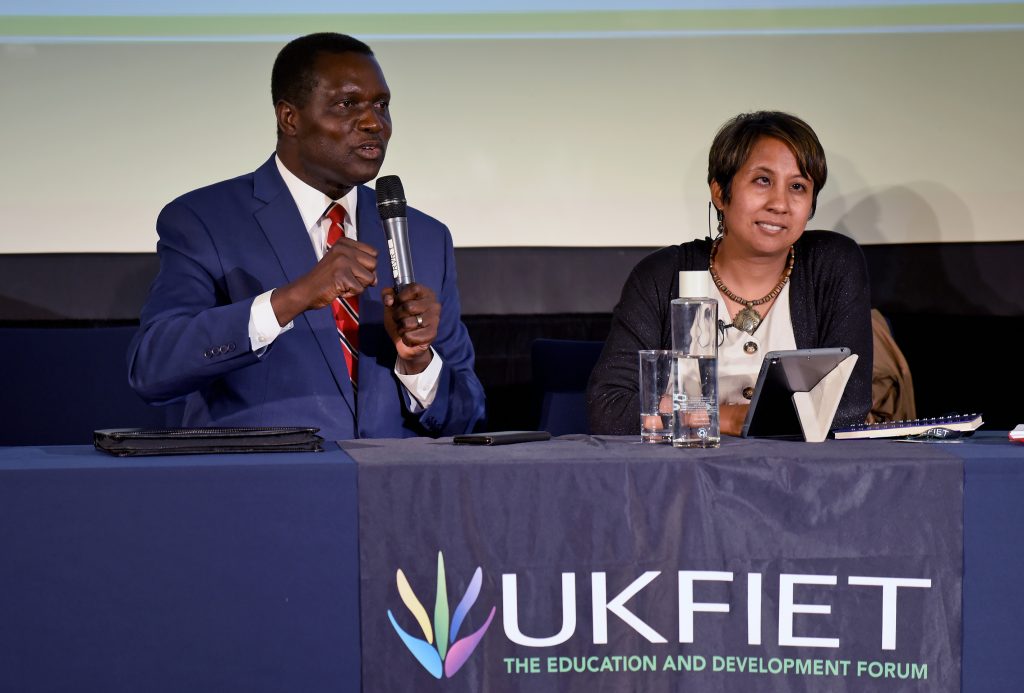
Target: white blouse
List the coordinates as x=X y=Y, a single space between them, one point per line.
x=741 y=354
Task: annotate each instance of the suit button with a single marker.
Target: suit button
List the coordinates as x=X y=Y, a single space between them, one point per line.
x=207 y=353
x=750 y=347
x=231 y=346
x=748 y=392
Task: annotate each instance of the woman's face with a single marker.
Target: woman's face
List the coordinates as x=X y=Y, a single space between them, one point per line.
x=770 y=204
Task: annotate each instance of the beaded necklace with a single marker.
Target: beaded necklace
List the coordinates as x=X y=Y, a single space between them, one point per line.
x=748 y=319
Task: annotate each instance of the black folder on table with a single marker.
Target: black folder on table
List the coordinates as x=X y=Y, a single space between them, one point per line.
x=129 y=442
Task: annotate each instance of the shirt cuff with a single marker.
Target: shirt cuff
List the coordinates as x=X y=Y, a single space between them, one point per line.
x=263 y=325
x=422 y=387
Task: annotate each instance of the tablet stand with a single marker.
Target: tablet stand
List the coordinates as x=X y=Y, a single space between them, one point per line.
x=817 y=408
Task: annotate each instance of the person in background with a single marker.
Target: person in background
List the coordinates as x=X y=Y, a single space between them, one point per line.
x=779 y=286
x=268 y=308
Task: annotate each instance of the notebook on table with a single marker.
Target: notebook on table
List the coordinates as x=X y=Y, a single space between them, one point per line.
x=964 y=423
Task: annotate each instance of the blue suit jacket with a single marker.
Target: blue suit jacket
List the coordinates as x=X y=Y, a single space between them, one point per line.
x=223 y=245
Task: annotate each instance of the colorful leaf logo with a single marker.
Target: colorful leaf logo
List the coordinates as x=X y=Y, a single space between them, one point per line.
x=433 y=651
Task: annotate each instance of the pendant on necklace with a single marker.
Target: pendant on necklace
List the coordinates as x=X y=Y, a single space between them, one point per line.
x=747 y=319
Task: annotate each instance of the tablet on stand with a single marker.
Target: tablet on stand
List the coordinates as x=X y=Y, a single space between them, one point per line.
x=797 y=393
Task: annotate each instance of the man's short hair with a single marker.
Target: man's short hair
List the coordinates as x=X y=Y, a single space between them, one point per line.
x=293 y=78
x=736 y=139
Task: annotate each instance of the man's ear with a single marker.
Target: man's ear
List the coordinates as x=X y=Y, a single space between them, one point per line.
x=287 y=117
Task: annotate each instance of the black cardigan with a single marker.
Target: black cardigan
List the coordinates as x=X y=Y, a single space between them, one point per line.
x=829 y=300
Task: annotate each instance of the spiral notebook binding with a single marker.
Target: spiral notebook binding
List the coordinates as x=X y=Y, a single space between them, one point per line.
x=967 y=423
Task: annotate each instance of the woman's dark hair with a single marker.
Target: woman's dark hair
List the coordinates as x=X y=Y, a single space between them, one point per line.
x=736 y=139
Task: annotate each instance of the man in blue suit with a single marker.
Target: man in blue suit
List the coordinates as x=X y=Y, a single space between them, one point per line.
x=239 y=321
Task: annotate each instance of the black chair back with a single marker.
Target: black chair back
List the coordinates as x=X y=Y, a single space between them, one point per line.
x=561 y=368
x=62 y=383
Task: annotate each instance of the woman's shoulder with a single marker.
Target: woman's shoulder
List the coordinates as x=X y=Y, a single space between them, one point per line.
x=828 y=249
x=827 y=242
x=830 y=256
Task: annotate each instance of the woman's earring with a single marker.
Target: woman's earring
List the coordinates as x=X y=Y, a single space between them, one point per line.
x=721 y=223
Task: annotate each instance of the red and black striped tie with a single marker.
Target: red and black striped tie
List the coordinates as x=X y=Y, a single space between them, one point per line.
x=346 y=310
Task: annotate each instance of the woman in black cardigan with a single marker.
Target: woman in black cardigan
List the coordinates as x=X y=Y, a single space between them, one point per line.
x=781 y=286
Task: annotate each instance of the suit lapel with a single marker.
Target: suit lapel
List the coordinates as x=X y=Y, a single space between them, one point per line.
x=373 y=341
x=371 y=231
x=282 y=225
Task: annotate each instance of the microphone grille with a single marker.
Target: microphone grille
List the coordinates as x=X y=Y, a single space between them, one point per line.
x=390 y=197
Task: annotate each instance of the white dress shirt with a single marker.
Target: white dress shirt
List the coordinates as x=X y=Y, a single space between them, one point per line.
x=263 y=325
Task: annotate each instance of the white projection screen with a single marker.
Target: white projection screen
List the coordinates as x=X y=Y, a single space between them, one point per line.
x=525 y=123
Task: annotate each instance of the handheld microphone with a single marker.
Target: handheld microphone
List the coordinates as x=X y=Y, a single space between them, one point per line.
x=391 y=205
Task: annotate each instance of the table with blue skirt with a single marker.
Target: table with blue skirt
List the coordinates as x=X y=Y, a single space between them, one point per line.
x=242 y=572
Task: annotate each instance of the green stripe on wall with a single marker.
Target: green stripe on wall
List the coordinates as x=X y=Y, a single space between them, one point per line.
x=538 y=23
